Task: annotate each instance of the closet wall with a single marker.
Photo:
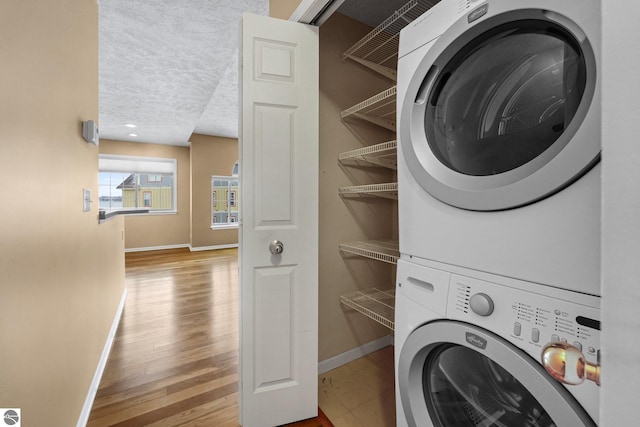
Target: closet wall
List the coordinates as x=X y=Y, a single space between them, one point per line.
x=344 y=83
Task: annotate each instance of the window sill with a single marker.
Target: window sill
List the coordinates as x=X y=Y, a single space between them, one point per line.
x=224 y=227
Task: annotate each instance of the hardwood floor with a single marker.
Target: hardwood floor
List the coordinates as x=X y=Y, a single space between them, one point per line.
x=174 y=361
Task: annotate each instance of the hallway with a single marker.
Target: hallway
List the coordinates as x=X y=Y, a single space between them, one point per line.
x=174 y=360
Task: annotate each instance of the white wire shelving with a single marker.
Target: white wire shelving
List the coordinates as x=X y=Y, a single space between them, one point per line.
x=378 y=50
x=383 y=154
x=376 y=304
x=380 y=250
x=387 y=190
x=380 y=109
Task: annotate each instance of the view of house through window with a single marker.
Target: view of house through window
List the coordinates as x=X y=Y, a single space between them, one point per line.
x=128 y=182
x=224 y=199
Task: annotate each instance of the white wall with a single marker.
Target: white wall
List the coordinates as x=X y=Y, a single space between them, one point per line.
x=620 y=214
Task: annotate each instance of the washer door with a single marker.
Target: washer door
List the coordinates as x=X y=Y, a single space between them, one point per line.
x=491 y=117
x=455 y=374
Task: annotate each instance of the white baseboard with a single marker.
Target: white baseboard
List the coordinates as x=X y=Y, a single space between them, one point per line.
x=97 y=376
x=212 y=248
x=182 y=245
x=353 y=354
x=158 y=248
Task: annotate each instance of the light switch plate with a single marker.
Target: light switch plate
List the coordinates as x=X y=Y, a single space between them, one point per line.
x=86 y=200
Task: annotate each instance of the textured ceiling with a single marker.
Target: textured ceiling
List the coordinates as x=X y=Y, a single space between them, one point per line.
x=170 y=67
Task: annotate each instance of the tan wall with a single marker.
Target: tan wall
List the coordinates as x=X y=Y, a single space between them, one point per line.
x=343 y=84
x=282 y=8
x=143 y=231
x=62 y=272
x=210 y=155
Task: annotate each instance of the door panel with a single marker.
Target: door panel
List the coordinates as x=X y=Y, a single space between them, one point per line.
x=273 y=337
x=274 y=147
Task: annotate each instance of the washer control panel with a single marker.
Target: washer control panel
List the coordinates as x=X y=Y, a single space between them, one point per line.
x=528 y=319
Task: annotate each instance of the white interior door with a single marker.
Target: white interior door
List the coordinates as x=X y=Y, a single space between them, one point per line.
x=279 y=190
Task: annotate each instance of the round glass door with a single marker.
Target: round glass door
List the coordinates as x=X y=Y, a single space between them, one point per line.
x=453 y=374
x=502 y=112
x=466 y=389
x=505 y=98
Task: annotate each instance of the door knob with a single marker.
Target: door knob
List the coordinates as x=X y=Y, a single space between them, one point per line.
x=276 y=247
x=567 y=364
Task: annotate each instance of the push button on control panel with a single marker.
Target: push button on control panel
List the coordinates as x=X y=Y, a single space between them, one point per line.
x=535 y=335
x=517 y=329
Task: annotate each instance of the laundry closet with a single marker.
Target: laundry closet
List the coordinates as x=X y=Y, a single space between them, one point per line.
x=358 y=232
x=477 y=82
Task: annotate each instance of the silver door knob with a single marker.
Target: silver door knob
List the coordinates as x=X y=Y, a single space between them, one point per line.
x=276 y=247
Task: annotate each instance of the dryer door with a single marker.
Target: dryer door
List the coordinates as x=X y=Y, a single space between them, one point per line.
x=492 y=118
x=455 y=374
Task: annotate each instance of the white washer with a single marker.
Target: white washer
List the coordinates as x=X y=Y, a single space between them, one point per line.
x=468 y=350
x=499 y=139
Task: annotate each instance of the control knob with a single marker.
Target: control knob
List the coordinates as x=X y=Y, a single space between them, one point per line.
x=481 y=304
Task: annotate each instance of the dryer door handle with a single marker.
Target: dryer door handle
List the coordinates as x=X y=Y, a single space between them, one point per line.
x=568 y=365
x=425 y=86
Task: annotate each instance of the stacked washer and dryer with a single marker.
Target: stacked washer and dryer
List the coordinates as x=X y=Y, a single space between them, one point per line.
x=498 y=283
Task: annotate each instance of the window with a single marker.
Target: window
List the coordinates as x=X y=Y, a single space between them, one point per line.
x=128 y=182
x=224 y=200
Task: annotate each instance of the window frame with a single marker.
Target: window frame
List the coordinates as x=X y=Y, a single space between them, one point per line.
x=230 y=193
x=147 y=202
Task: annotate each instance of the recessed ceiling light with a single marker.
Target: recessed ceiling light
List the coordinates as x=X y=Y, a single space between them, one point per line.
x=131 y=125
x=133 y=134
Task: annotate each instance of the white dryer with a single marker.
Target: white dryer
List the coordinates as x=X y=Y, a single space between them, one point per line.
x=469 y=351
x=499 y=139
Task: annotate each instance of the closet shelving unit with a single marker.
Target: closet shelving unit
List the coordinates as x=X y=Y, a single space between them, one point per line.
x=387 y=190
x=378 y=51
x=376 y=304
x=383 y=154
x=379 y=250
x=380 y=109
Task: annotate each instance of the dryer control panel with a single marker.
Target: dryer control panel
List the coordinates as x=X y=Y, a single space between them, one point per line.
x=528 y=319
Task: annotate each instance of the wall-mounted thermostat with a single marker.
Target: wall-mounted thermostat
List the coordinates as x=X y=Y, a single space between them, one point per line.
x=90 y=132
